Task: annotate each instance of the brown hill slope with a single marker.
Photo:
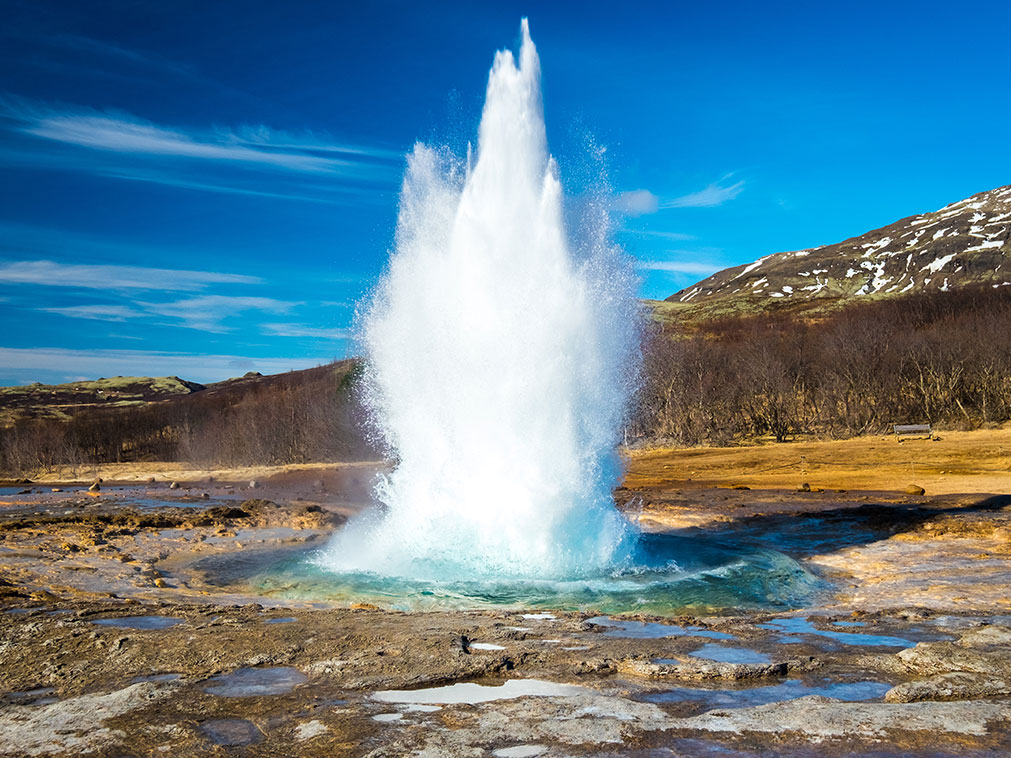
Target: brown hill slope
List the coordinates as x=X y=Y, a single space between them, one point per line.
x=294 y=417
x=63 y=400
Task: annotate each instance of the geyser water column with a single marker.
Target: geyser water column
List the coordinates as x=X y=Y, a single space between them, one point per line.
x=499 y=364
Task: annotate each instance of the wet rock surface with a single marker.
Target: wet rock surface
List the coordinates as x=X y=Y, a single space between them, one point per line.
x=122 y=634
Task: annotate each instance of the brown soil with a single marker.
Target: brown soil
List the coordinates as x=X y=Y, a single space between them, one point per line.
x=933 y=570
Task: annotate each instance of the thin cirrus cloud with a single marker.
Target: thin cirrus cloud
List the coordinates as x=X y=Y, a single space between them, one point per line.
x=113 y=277
x=249 y=147
x=659 y=234
x=207 y=312
x=679 y=267
x=642 y=202
x=117 y=55
x=715 y=194
x=96 y=312
x=327 y=196
x=303 y=330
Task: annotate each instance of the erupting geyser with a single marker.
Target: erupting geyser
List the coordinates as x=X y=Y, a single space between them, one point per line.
x=501 y=358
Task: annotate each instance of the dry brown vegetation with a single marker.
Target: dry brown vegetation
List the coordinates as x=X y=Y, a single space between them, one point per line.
x=298 y=417
x=957 y=462
x=941 y=358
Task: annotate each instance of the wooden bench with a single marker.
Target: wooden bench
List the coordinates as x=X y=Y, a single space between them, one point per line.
x=911 y=431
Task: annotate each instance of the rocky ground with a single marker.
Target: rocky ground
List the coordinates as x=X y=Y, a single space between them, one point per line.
x=122 y=633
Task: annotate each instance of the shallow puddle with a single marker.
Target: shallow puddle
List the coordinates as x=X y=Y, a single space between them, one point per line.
x=281 y=620
x=651 y=630
x=251 y=682
x=471 y=693
x=139 y=622
x=151 y=503
x=773 y=693
x=796 y=628
x=231 y=732
x=39 y=696
x=714 y=652
x=485 y=646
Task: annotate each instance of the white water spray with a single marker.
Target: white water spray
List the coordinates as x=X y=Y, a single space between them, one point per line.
x=499 y=365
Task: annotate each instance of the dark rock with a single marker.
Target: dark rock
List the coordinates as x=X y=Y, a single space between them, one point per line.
x=914 y=489
x=460 y=645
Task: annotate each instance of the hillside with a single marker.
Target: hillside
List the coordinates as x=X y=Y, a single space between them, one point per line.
x=965 y=243
x=62 y=400
x=292 y=417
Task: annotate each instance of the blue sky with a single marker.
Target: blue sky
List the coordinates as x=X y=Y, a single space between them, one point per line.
x=205 y=189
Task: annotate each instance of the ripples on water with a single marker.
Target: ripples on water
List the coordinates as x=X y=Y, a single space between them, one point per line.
x=666 y=574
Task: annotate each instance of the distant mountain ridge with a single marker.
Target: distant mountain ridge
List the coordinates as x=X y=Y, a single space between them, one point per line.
x=965 y=243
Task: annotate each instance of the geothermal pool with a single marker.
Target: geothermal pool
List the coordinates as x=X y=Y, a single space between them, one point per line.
x=711 y=575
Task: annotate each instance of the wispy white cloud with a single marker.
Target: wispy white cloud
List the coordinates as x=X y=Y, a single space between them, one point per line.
x=276 y=139
x=303 y=330
x=204 y=313
x=207 y=312
x=96 y=312
x=330 y=196
x=636 y=202
x=94 y=363
x=113 y=277
x=659 y=234
x=118 y=54
x=126 y=134
x=715 y=194
x=679 y=267
x=258 y=147
x=642 y=202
